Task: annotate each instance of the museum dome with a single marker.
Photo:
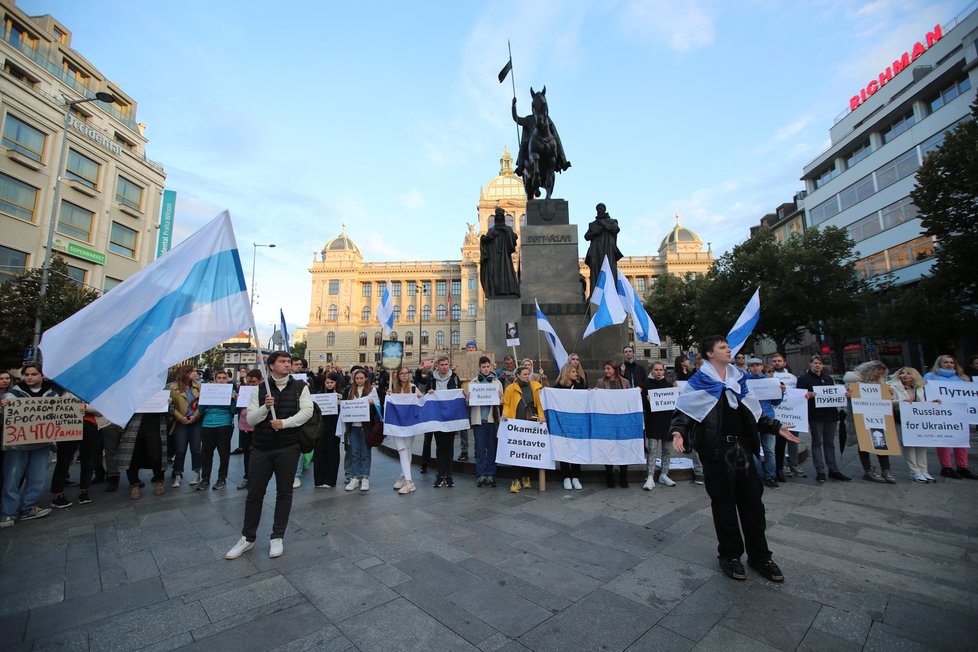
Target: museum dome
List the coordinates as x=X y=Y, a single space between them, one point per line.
x=680 y=235
x=341 y=242
x=507 y=184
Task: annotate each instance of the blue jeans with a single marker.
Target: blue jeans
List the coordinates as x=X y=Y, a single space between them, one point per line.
x=29 y=465
x=361 y=452
x=182 y=437
x=485 y=449
x=766 y=468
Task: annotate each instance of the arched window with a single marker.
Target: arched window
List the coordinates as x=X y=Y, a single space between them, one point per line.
x=331 y=339
x=332 y=314
x=363 y=339
x=411 y=313
x=393 y=336
x=365 y=313
x=457 y=312
x=455 y=338
x=409 y=338
x=378 y=338
x=440 y=338
x=425 y=313
x=440 y=312
x=397 y=313
x=424 y=338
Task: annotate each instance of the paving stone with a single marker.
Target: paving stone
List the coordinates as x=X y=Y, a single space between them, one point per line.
x=264 y=632
x=12 y=628
x=436 y=572
x=819 y=641
x=494 y=642
x=210 y=579
x=327 y=639
x=172 y=555
x=399 y=623
x=387 y=575
x=139 y=565
x=763 y=604
x=556 y=578
x=83 y=577
x=660 y=639
x=136 y=628
x=696 y=615
x=852 y=627
x=886 y=638
x=721 y=639
x=518 y=527
x=459 y=620
x=661 y=582
x=31 y=595
x=535 y=594
x=931 y=622
x=340 y=589
x=252 y=596
x=500 y=608
x=640 y=540
x=595 y=560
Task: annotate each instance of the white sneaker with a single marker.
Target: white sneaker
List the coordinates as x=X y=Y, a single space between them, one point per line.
x=353 y=484
x=176 y=481
x=196 y=480
x=365 y=484
x=918 y=477
x=241 y=547
x=649 y=484
x=929 y=477
x=666 y=480
x=407 y=488
x=567 y=484
x=296 y=483
x=276 y=548
x=576 y=483
x=399 y=484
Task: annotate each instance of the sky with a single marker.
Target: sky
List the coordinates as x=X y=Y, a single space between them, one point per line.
x=387 y=116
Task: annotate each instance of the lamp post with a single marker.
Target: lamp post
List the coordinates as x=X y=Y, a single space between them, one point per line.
x=421 y=293
x=46 y=268
x=254 y=258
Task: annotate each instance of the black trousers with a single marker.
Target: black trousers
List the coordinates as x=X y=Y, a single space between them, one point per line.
x=220 y=438
x=326 y=459
x=426 y=449
x=568 y=470
x=445 y=446
x=66 y=454
x=864 y=459
x=281 y=463
x=735 y=490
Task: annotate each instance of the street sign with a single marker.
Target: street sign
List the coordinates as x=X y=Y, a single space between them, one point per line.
x=248 y=357
x=232 y=358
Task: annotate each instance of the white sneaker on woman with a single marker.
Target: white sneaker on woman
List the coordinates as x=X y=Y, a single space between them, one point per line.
x=576 y=483
x=399 y=484
x=365 y=484
x=176 y=481
x=567 y=484
x=196 y=480
x=353 y=484
x=407 y=488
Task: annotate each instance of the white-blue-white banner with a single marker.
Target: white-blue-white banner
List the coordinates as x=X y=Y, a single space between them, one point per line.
x=444 y=410
x=115 y=352
x=598 y=426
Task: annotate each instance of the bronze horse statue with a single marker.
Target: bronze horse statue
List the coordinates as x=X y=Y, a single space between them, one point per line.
x=541 y=152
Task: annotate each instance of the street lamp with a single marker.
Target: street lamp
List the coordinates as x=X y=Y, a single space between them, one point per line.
x=421 y=294
x=101 y=96
x=254 y=257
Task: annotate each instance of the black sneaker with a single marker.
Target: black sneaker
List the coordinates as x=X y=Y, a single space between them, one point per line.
x=963 y=472
x=220 y=484
x=439 y=482
x=840 y=476
x=83 y=498
x=819 y=477
x=698 y=479
x=449 y=481
x=464 y=457
x=948 y=472
x=423 y=469
x=768 y=569
x=771 y=483
x=491 y=481
x=732 y=568
x=61 y=502
x=203 y=485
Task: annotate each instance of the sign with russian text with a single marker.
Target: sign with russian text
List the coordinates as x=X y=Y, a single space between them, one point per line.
x=355 y=411
x=524 y=443
x=663 y=400
x=158 y=402
x=328 y=403
x=935 y=424
x=483 y=394
x=765 y=389
x=244 y=395
x=216 y=394
x=44 y=420
x=954 y=392
x=793 y=410
x=788 y=378
x=830 y=396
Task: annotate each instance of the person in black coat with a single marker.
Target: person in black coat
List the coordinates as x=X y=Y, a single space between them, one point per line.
x=656 y=427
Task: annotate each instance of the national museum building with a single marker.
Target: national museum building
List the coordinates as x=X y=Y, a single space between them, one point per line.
x=439 y=304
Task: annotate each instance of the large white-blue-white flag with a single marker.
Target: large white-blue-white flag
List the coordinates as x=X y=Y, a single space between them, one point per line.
x=385 y=311
x=443 y=410
x=645 y=330
x=745 y=323
x=285 y=332
x=556 y=348
x=610 y=310
x=115 y=352
x=598 y=426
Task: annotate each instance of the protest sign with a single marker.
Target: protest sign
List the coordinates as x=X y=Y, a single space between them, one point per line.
x=467 y=364
x=869 y=390
x=391 y=353
x=328 y=403
x=303 y=377
x=483 y=394
x=954 y=392
x=871 y=407
x=873 y=419
x=524 y=443
x=512 y=333
x=765 y=389
x=793 y=410
x=158 y=402
x=789 y=379
x=830 y=396
x=933 y=424
x=663 y=400
x=244 y=395
x=356 y=410
x=215 y=394
x=42 y=420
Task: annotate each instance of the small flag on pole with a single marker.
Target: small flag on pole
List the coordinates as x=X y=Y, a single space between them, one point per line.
x=505 y=70
x=285 y=331
x=556 y=348
x=385 y=311
x=645 y=329
x=745 y=323
x=610 y=310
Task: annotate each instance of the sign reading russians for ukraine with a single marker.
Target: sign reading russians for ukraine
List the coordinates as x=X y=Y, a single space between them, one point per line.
x=42 y=420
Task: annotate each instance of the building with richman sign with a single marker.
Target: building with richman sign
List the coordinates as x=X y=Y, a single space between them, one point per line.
x=862 y=182
x=108 y=204
x=439 y=304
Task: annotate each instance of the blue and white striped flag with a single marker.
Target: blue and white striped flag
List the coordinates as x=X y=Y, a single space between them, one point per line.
x=605 y=294
x=599 y=426
x=385 y=311
x=556 y=348
x=115 y=352
x=444 y=410
x=745 y=323
x=645 y=330
x=285 y=332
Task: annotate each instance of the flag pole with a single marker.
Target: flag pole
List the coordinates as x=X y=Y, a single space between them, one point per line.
x=264 y=365
x=512 y=78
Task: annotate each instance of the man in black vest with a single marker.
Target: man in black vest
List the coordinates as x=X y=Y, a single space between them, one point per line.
x=274 y=450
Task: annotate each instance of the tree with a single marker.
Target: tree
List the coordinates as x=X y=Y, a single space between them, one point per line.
x=299 y=349
x=946 y=197
x=671 y=304
x=18 y=307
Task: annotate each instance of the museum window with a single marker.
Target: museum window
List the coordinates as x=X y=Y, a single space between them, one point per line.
x=332 y=313
x=363 y=358
x=456 y=311
x=641 y=285
x=397 y=313
x=82 y=169
x=122 y=240
x=331 y=339
x=23 y=138
x=411 y=313
x=409 y=338
x=128 y=193
x=381 y=288
x=12 y=263
x=424 y=338
x=77 y=275
x=393 y=336
x=366 y=289
x=362 y=340
x=472 y=283
x=456 y=340
x=365 y=313
x=440 y=312
x=378 y=338
x=426 y=288
x=75 y=221
x=412 y=289
x=457 y=287
x=472 y=310
x=440 y=338
x=396 y=288
x=334 y=287
x=441 y=288
x=426 y=313
x=17 y=199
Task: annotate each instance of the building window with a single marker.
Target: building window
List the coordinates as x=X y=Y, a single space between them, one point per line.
x=825 y=210
x=20 y=74
x=641 y=285
x=411 y=313
x=365 y=313
x=366 y=289
x=931 y=144
x=334 y=287
x=472 y=309
x=17 y=199
x=409 y=338
x=378 y=338
x=898 y=257
x=472 y=283
x=381 y=288
x=393 y=336
x=456 y=341
x=900 y=167
x=857 y=192
x=110 y=283
x=329 y=357
x=858 y=154
x=825 y=176
x=362 y=340
x=82 y=169
x=12 y=263
x=122 y=240
x=426 y=288
x=456 y=311
x=457 y=287
x=331 y=339
x=77 y=275
x=440 y=338
x=898 y=126
x=396 y=288
x=21 y=137
x=397 y=313
x=75 y=221
x=898 y=212
x=426 y=313
x=424 y=338
x=332 y=313
x=865 y=228
x=128 y=193
x=363 y=358
x=949 y=93
x=412 y=288
x=441 y=287
x=440 y=312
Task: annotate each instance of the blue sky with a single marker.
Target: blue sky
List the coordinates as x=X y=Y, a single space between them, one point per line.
x=298 y=117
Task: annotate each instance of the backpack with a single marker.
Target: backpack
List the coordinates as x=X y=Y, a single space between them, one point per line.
x=309 y=431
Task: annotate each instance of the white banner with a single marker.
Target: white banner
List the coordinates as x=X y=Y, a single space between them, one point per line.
x=328 y=403
x=933 y=424
x=944 y=391
x=483 y=394
x=663 y=400
x=830 y=396
x=765 y=389
x=786 y=377
x=216 y=394
x=793 y=410
x=869 y=390
x=244 y=395
x=524 y=443
x=158 y=402
x=357 y=410
x=871 y=407
x=303 y=377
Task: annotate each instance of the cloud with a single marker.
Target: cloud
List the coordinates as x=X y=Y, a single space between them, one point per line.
x=793 y=128
x=682 y=27
x=412 y=199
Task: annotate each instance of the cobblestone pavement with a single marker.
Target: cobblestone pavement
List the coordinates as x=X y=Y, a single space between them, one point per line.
x=868 y=566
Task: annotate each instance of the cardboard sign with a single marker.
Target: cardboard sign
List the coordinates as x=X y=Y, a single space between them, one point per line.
x=512 y=333
x=467 y=364
x=954 y=392
x=830 y=396
x=216 y=394
x=793 y=410
x=244 y=395
x=356 y=410
x=42 y=420
x=765 y=389
x=933 y=424
x=158 y=402
x=663 y=400
x=873 y=418
x=328 y=403
x=524 y=443
x=483 y=394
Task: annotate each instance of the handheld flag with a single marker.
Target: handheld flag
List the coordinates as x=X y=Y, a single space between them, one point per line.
x=645 y=330
x=745 y=323
x=285 y=331
x=385 y=311
x=505 y=71
x=115 y=352
x=556 y=348
x=610 y=310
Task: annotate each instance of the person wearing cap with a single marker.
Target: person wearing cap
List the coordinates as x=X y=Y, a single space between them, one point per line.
x=766 y=468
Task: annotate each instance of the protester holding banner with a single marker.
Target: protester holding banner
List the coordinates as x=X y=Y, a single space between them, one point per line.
x=184 y=396
x=872 y=372
x=823 y=422
x=401 y=384
x=326 y=454
x=907 y=386
x=6 y=382
x=442 y=377
x=521 y=400
x=245 y=430
x=656 y=428
x=767 y=469
x=484 y=419
x=782 y=472
x=143 y=446
x=216 y=429
x=360 y=451
x=946 y=368
x=570 y=378
x=613 y=380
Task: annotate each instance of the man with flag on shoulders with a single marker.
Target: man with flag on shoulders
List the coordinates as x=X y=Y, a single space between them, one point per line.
x=719 y=419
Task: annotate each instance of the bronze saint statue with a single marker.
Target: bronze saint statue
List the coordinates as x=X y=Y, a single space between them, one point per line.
x=496 y=249
x=602 y=233
x=541 y=153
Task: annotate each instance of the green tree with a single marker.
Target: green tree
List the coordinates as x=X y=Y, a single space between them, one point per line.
x=299 y=349
x=671 y=304
x=18 y=307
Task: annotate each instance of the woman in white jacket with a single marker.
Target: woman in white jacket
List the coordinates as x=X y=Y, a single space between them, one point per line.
x=908 y=387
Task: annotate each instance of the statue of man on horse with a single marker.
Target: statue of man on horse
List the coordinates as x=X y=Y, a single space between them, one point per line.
x=541 y=153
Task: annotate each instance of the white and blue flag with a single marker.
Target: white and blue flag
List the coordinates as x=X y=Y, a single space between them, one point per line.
x=556 y=348
x=443 y=410
x=605 y=295
x=285 y=332
x=385 y=311
x=745 y=324
x=598 y=426
x=645 y=330
x=115 y=352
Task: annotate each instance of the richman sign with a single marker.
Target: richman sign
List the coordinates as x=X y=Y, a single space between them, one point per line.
x=898 y=66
